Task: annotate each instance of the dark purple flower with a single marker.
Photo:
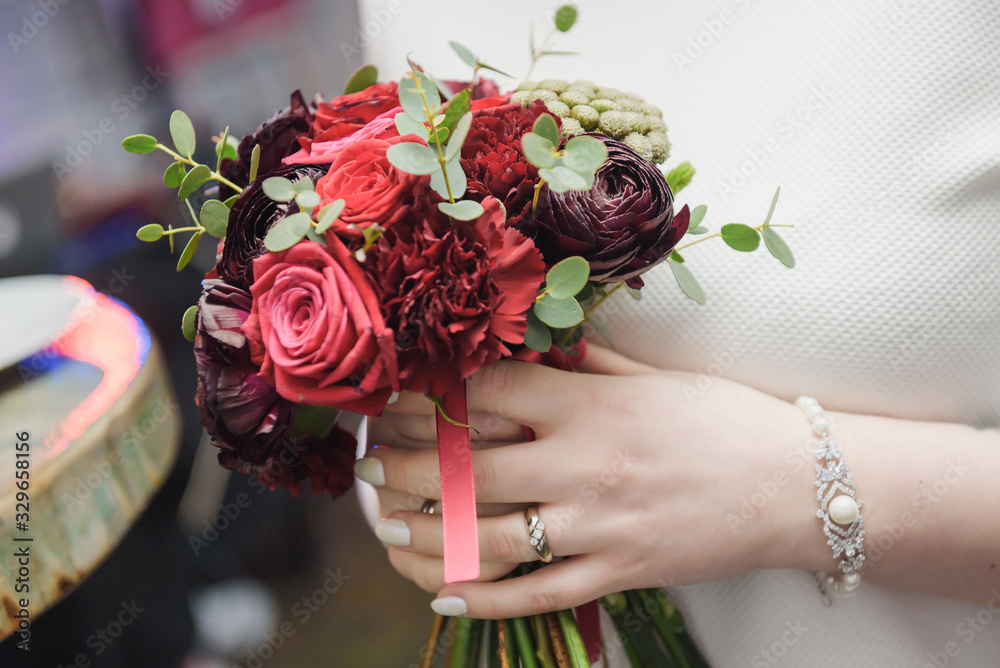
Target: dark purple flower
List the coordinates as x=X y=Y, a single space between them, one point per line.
x=623 y=226
x=483 y=88
x=246 y=418
x=277 y=139
x=253 y=214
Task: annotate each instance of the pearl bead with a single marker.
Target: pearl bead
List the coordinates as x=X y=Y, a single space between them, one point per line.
x=806 y=402
x=852 y=580
x=843 y=509
x=821 y=426
x=814 y=412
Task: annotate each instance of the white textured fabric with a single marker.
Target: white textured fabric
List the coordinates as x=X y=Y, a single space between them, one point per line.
x=880 y=120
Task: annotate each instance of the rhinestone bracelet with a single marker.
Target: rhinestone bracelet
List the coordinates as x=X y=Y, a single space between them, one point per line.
x=839 y=507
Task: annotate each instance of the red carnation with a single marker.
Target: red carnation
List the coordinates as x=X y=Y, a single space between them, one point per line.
x=316 y=330
x=492 y=158
x=373 y=190
x=454 y=292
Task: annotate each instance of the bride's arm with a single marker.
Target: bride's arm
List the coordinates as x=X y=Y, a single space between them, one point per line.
x=642 y=486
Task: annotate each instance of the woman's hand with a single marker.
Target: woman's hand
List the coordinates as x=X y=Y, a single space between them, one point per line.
x=638 y=480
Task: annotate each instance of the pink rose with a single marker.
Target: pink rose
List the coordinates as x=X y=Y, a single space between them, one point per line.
x=316 y=329
x=381 y=127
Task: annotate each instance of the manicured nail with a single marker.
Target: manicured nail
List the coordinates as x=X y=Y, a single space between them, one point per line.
x=450 y=606
x=393 y=532
x=370 y=470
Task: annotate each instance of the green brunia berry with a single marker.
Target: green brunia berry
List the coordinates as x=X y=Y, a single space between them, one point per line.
x=585 y=106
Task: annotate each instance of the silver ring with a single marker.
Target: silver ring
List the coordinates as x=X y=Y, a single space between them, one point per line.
x=536 y=534
x=428 y=506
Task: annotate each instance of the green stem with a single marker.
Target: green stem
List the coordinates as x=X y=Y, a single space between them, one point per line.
x=719 y=234
x=574 y=641
x=544 y=649
x=586 y=313
x=460 y=657
x=525 y=646
x=667 y=634
x=536 y=56
x=534 y=200
x=175 y=230
x=188 y=161
x=437 y=144
x=493 y=656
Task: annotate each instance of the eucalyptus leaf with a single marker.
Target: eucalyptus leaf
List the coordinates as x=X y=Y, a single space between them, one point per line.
x=676 y=257
x=220 y=149
x=777 y=246
x=465 y=209
x=586 y=294
x=412 y=99
x=312 y=235
x=189 y=249
x=193 y=180
x=559 y=313
x=151 y=232
x=680 y=176
x=565 y=17
x=567 y=278
x=538 y=150
x=458 y=136
x=308 y=200
x=305 y=184
x=456 y=179
x=457 y=108
x=254 y=162
x=413 y=158
x=361 y=79
x=687 y=282
x=407 y=126
x=538 y=337
x=559 y=53
x=139 y=144
x=278 y=189
x=286 y=232
x=774 y=203
x=464 y=53
x=182 y=132
x=701 y=229
x=328 y=215
x=602 y=329
x=740 y=237
x=561 y=179
x=633 y=293
x=173 y=176
x=584 y=154
x=215 y=218
x=314 y=421
x=545 y=126
x=484 y=66
x=231 y=201
x=189 y=322
x=697 y=215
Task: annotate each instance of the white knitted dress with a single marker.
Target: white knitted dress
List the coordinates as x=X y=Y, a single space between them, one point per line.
x=880 y=120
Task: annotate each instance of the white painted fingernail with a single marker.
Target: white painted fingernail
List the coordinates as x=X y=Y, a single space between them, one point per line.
x=393 y=532
x=450 y=606
x=370 y=470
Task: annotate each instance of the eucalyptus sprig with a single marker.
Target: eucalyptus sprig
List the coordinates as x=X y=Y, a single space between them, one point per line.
x=557 y=305
x=214 y=216
x=470 y=59
x=571 y=168
x=564 y=19
x=290 y=230
x=444 y=133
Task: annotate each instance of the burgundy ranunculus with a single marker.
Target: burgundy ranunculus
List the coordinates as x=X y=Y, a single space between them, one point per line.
x=483 y=88
x=276 y=138
x=253 y=214
x=623 y=226
x=244 y=415
x=454 y=292
x=492 y=158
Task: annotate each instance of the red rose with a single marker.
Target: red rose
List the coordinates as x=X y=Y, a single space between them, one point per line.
x=316 y=330
x=454 y=292
x=382 y=127
x=492 y=158
x=343 y=116
x=373 y=190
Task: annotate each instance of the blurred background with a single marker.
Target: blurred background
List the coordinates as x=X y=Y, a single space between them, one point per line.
x=77 y=77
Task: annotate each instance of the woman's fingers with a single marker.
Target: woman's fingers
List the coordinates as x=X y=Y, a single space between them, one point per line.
x=509 y=474
x=558 y=586
x=606 y=362
x=528 y=394
x=406 y=427
x=428 y=572
x=502 y=539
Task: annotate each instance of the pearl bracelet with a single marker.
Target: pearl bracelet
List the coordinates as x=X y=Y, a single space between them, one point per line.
x=839 y=507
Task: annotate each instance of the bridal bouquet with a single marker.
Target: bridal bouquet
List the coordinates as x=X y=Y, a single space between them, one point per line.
x=401 y=237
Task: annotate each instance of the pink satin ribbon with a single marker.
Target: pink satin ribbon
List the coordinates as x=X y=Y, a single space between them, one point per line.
x=458 y=491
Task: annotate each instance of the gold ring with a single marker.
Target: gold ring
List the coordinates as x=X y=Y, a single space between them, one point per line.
x=536 y=534
x=428 y=506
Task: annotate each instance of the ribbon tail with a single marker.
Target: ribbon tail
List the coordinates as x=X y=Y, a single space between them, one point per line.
x=588 y=620
x=458 y=492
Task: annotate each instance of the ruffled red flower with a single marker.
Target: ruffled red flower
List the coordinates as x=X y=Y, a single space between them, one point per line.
x=456 y=293
x=492 y=158
x=343 y=116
